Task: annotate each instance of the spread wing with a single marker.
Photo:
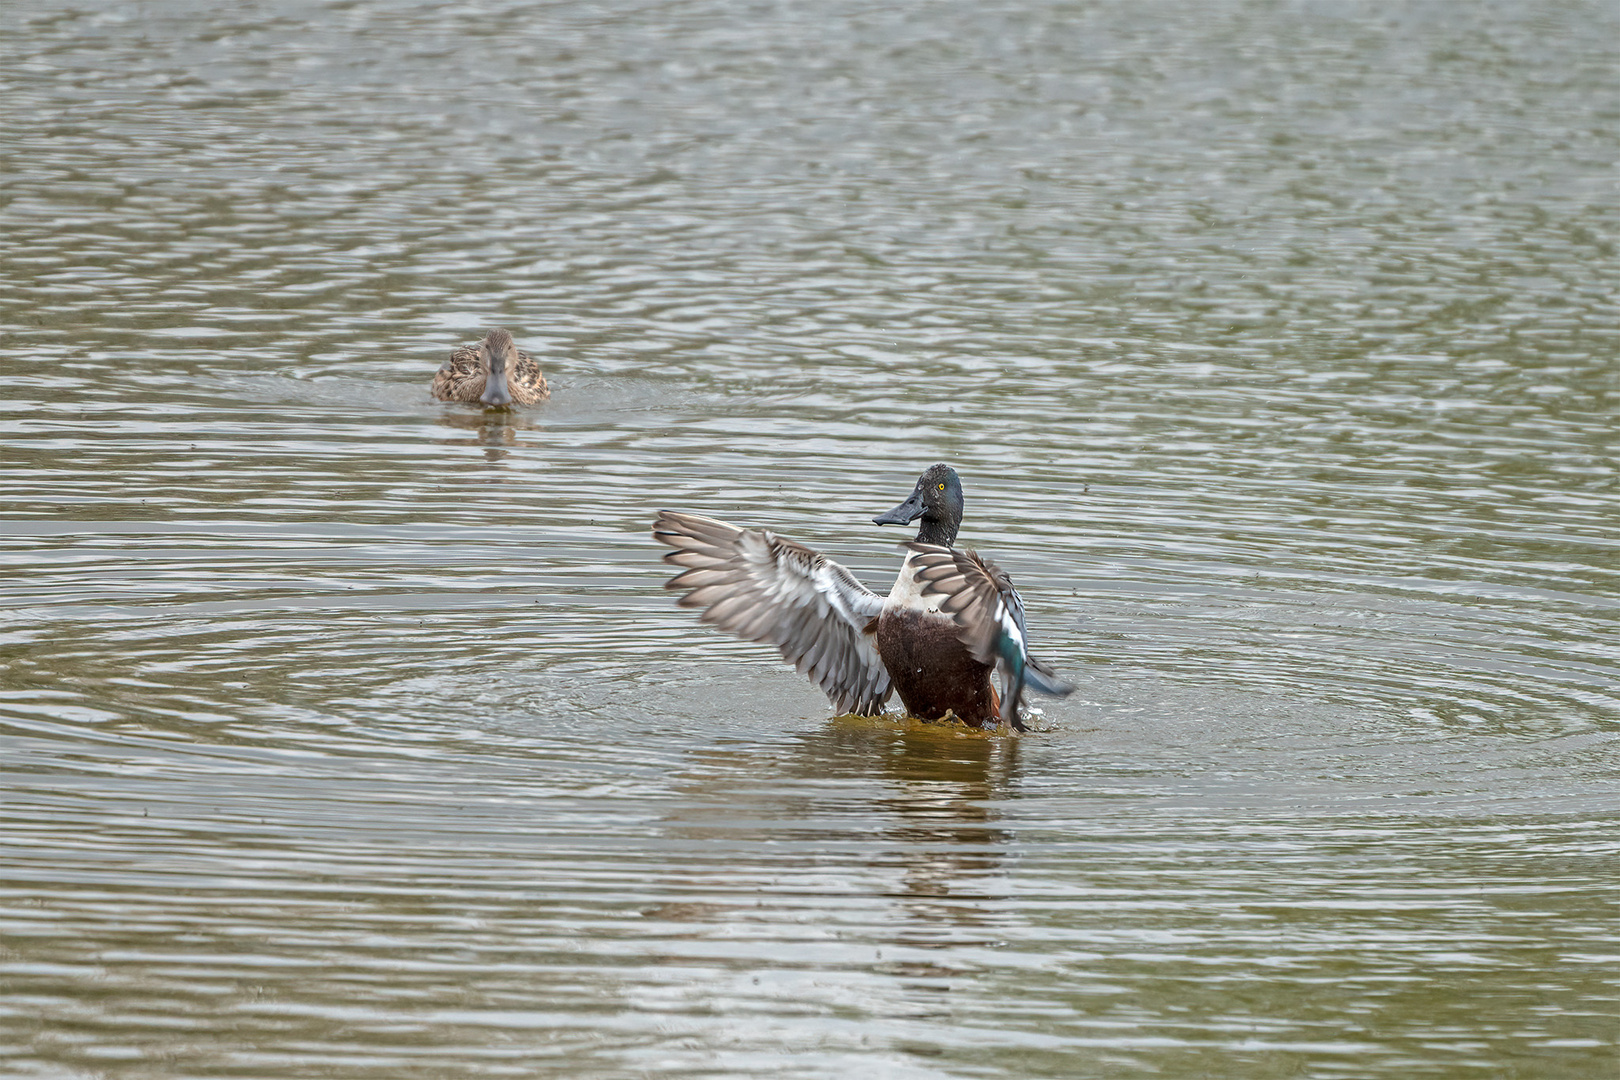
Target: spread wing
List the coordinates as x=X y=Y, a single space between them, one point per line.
x=764 y=587
x=989 y=617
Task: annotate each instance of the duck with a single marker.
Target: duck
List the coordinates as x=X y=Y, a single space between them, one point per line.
x=950 y=621
x=493 y=372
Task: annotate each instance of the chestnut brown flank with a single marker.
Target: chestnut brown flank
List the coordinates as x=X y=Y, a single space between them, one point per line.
x=933 y=671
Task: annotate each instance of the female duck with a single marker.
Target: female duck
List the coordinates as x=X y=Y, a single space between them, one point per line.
x=492 y=372
x=951 y=619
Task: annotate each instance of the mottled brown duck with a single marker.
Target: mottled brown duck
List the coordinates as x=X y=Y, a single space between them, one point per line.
x=492 y=372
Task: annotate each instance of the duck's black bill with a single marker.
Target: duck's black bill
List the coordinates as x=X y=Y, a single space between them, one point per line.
x=904 y=514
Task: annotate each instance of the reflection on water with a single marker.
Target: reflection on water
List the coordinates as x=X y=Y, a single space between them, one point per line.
x=941 y=789
x=494 y=429
x=347 y=733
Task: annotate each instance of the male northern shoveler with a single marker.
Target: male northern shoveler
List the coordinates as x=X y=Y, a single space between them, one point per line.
x=950 y=620
x=493 y=372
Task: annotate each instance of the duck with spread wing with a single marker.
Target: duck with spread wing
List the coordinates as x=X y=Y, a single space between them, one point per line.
x=949 y=623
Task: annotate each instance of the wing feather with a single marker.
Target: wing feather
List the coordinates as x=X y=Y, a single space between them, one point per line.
x=763 y=587
x=989 y=616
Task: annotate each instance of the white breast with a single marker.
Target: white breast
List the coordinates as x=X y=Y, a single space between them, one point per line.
x=907 y=595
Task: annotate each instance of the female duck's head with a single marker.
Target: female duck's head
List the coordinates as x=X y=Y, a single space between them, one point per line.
x=498 y=357
x=937 y=499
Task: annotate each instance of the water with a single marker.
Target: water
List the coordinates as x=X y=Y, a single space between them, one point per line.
x=349 y=734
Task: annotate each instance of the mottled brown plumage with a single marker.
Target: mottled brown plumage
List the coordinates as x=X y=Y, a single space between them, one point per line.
x=492 y=372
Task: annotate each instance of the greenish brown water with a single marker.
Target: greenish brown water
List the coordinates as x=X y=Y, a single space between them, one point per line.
x=347 y=734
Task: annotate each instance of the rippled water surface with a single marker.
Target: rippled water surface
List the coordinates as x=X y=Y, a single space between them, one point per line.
x=348 y=734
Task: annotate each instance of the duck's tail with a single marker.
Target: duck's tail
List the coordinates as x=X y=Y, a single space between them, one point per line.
x=1044 y=679
x=1020 y=670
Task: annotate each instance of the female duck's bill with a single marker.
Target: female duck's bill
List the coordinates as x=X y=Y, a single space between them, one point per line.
x=493 y=373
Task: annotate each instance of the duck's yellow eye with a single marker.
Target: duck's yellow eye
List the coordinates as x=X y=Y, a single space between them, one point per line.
x=942 y=487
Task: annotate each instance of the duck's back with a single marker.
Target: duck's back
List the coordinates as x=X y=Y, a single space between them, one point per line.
x=461 y=378
x=528 y=383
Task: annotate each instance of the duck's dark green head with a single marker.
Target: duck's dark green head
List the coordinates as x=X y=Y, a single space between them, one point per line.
x=497 y=355
x=937 y=499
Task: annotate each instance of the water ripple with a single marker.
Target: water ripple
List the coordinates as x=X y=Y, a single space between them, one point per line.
x=346 y=732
